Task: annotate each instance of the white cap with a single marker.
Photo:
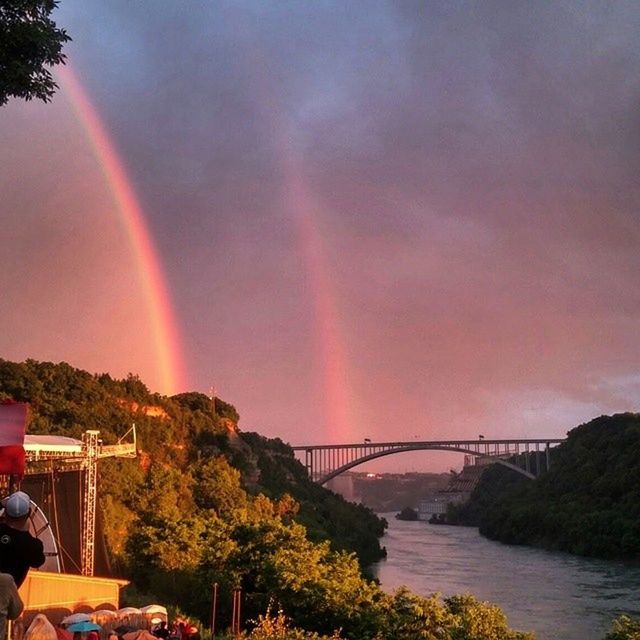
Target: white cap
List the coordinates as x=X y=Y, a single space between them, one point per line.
x=17 y=505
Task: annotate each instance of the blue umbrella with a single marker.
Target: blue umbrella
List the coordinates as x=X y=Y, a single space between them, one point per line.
x=84 y=626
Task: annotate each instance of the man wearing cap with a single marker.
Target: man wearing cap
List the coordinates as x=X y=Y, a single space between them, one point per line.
x=19 y=550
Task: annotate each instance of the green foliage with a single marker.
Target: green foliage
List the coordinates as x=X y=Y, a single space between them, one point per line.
x=199 y=402
x=204 y=505
x=168 y=534
x=30 y=41
x=183 y=432
x=624 y=628
x=326 y=515
x=413 y=617
x=277 y=626
x=217 y=486
x=588 y=503
x=409 y=617
x=475 y=620
x=494 y=483
x=407 y=514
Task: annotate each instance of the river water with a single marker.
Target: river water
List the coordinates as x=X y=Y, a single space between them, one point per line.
x=557 y=595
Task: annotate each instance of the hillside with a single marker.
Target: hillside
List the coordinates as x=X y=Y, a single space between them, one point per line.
x=588 y=503
x=179 y=432
x=204 y=503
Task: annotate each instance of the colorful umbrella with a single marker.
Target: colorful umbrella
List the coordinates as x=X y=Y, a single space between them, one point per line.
x=154 y=608
x=76 y=617
x=82 y=627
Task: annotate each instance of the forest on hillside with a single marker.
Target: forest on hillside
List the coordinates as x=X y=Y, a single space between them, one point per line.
x=182 y=433
x=588 y=503
x=204 y=502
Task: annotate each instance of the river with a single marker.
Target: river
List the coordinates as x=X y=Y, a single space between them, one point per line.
x=557 y=595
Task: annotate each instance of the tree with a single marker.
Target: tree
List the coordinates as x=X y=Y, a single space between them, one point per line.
x=217 y=486
x=30 y=41
x=624 y=628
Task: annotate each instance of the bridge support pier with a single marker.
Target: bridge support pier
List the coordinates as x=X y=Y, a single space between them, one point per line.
x=308 y=462
x=548 y=452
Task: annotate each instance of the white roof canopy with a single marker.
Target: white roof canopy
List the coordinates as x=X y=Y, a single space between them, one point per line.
x=62 y=444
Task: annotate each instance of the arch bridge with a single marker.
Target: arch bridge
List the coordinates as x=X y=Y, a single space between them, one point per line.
x=527 y=456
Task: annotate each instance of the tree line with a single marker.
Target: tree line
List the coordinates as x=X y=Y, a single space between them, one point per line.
x=588 y=503
x=206 y=503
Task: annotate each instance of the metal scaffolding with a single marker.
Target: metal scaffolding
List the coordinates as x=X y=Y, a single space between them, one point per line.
x=90 y=451
x=44 y=453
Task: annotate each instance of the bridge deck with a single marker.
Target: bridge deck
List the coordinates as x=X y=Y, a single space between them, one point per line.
x=406 y=443
x=325 y=461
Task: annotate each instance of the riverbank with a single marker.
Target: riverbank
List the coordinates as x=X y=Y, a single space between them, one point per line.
x=587 y=503
x=557 y=595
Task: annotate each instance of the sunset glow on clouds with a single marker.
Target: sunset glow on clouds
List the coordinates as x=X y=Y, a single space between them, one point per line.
x=467 y=186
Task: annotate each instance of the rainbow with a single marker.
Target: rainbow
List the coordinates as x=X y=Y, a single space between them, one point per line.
x=304 y=210
x=164 y=331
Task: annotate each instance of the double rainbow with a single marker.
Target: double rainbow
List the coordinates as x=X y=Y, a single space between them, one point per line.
x=164 y=332
x=303 y=209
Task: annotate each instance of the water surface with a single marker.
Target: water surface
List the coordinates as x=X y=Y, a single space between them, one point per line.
x=557 y=595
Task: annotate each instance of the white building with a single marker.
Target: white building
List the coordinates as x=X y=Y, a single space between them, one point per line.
x=437 y=503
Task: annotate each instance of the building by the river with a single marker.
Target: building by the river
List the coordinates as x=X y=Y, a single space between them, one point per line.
x=458 y=490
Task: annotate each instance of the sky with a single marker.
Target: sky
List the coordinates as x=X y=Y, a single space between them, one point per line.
x=386 y=220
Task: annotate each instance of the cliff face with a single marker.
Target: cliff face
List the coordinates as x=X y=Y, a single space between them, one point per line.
x=147 y=410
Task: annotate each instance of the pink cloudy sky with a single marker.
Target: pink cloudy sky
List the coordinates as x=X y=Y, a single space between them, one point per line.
x=390 y=221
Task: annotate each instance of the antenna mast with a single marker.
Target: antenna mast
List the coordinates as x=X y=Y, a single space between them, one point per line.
x=212 y=396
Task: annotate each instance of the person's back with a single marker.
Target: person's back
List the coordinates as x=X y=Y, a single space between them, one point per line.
x=19 y=550
x=41 y=629
x=10 y=602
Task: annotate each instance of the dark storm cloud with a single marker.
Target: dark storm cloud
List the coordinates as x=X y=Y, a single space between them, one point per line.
x=522 y=116
x=476 y=170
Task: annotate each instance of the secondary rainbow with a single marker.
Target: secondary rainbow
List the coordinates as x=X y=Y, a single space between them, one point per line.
x=304 y=210
x=164 y=332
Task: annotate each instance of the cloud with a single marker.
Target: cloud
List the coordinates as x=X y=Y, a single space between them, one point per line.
x=475 y=173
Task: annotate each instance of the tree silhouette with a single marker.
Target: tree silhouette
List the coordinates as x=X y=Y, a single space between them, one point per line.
x=30 y=41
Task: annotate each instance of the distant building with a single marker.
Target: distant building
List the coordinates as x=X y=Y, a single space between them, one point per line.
x=458 y=490
x=437 y=504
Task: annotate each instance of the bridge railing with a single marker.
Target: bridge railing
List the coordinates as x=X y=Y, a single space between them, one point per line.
x=324 y=462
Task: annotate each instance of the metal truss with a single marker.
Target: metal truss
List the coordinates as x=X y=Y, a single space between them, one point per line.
x=326 y=461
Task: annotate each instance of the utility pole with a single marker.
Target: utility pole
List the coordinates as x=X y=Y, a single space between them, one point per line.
x=212 y=396
x=235 y=615
x=214 y=606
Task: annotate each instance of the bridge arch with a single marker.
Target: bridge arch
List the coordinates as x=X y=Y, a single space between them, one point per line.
x=514 y=467
x=418 y=447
